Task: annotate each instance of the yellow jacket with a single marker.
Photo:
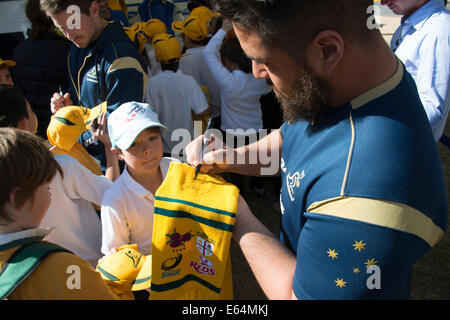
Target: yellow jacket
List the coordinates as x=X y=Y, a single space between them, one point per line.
x=60 y=276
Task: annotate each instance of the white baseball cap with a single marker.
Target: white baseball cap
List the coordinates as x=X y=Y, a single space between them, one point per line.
x=128 y=121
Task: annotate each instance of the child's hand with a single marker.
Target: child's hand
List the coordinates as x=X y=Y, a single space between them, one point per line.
x=99 y=129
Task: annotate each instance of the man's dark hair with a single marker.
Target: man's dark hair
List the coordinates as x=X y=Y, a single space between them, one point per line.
x=51 y=7
x=232 y=50
x=292 y=24
x=13 y=106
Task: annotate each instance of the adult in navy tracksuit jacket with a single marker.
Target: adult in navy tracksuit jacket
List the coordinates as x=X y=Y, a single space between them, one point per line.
x=103 y=65
x=111 y=70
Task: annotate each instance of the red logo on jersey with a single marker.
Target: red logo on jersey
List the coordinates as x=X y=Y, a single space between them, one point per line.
x=205 y=267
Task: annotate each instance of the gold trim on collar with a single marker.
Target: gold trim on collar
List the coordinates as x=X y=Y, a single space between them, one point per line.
x=381 y=89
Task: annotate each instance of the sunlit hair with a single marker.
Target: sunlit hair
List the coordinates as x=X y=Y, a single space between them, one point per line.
x=51 y=7
x=25 y=164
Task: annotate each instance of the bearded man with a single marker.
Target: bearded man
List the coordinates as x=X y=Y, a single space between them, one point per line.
x=363 y=196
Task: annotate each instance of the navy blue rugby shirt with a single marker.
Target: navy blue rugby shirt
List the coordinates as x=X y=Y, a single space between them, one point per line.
x=363 y=196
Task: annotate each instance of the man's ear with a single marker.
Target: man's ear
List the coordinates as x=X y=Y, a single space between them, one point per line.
x=94 y=9
x=325 y=52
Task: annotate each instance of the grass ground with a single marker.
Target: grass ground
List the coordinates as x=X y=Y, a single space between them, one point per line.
x=431 y=274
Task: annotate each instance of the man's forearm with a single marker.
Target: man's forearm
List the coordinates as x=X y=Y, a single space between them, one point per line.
x=272 y=264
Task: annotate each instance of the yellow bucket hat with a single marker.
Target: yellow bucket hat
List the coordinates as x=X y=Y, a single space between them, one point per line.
x=204 y=13
x=138 y=26
x=166 y=47
x=154 y=27
x=136 y=36
x=9 y=63
x=68 y=123
x=127 y=266
x=193 y=27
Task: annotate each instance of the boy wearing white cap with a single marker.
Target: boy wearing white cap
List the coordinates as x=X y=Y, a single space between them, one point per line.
x=127 y=206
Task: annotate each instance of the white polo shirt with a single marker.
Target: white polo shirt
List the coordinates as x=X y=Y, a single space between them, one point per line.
x=127 y=213
x=77 y=226
x=193 y=63
x=174 y=96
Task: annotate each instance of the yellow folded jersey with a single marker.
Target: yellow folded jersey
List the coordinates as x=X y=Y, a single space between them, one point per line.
x=192 y=230
x=80 y=153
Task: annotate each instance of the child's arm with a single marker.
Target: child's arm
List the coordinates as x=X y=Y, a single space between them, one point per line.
x=101 y=133
x=80 y=183
x=211 y=53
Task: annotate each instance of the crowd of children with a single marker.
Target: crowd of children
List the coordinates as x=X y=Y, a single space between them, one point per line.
x=92 y=212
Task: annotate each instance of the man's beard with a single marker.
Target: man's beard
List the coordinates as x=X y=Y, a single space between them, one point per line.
x=308 y=99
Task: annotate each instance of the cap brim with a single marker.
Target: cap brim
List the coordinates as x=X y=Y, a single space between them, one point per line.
x=9 y=63
x=125 y=141
x=144 y=278
x=177 y=26
x=94 y=113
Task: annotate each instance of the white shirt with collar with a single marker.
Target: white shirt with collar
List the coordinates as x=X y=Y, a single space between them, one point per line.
x=10 y=240
x=174 y=96
x=193 y=63
x=127 y=213
x=422 y=42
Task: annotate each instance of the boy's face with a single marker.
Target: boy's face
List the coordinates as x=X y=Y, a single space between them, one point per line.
x=5 y=75
x=145 y=153
x=35 y=208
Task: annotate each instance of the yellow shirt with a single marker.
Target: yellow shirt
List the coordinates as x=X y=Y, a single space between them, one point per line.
x=60 y=276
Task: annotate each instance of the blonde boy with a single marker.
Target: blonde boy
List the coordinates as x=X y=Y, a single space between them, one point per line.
x=127 y=206
x=27 y=168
